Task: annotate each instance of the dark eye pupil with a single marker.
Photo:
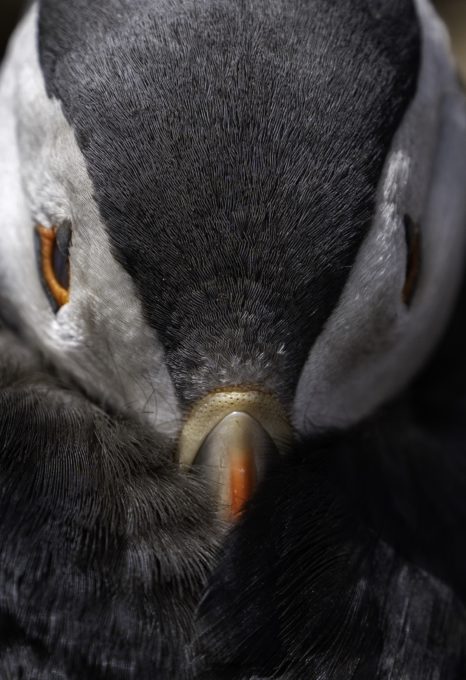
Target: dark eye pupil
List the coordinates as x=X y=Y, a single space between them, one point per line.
x=61 y=253
x=413 y=259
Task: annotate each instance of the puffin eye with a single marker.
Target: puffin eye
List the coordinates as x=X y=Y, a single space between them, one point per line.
x=53 y=253
x=413 y=259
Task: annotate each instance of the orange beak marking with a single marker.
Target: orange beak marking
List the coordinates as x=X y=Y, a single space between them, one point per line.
x=242 y=480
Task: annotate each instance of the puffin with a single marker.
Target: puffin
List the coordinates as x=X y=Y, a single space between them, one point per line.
x=232 y=376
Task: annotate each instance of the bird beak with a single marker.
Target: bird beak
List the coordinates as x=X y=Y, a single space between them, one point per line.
x=230 y=437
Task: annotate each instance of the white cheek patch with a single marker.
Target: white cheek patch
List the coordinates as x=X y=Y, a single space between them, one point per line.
x=100 y=336
x=18 y=273
x=373 y=344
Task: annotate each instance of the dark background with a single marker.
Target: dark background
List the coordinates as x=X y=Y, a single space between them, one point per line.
x=9 y=10
x=454 y=12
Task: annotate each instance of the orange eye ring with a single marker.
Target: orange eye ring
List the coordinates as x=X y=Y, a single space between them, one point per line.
x=48 y=238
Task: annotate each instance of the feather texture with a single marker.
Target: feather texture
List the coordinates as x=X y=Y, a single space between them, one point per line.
x=348 y=564
x=105 y=546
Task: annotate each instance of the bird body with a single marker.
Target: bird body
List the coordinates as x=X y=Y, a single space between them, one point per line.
x=231 y=264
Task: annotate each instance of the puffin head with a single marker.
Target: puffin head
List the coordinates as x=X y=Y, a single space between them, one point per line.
x=242 y=223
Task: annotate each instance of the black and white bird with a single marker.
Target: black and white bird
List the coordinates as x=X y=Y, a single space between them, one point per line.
x=232 y=376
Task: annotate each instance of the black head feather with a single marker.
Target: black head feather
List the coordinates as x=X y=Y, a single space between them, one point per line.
x=235 y=150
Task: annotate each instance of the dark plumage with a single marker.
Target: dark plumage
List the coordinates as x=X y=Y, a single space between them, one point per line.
x=241 y=139
x=349 y=563
x=236 y=196
x=105 y=545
